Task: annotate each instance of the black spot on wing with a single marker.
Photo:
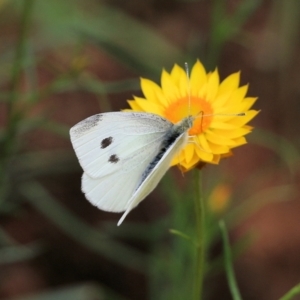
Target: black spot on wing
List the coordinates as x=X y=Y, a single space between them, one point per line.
x=113 y=158
x=106 y=142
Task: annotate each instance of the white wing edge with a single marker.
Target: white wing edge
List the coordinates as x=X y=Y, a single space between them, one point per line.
x=164 y=164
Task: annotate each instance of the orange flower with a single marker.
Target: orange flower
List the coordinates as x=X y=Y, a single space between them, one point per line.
x=218 y=129
x=219 y=199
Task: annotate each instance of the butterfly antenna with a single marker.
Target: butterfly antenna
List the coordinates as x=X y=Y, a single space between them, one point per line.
x=187 y=71
x=241 y=114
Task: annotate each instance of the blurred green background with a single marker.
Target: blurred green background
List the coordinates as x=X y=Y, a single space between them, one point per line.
x=62 y=61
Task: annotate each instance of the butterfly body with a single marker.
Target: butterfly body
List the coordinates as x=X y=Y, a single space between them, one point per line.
x=124 y=155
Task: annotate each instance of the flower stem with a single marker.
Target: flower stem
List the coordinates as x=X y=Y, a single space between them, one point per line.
x=200 y=236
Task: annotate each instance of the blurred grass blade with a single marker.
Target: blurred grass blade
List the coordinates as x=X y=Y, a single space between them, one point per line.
x=40 y=122
x=225 y=27
x=244 y=11
x=13 y=254
x=40 y=163
x=31 y=73
x=6 y=239
x=235 y=293
x=39 y=197
x=260 y=199
x=130 y=41
x=237 y=249
x=99 y=87
x=78 y=292
x=182 y=235
x=291 y=293
x=8 y=142
x=27 y=11
x=87 y=83
x=56 y=128
x=278 y=144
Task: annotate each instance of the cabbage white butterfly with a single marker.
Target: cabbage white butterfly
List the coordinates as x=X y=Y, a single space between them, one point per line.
x=124 y=155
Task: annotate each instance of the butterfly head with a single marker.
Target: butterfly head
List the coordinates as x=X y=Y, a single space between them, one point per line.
x=186 y=124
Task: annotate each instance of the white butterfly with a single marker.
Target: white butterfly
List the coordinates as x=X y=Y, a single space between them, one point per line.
x=124 y=155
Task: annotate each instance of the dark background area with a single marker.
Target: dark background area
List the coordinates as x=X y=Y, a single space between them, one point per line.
x=62 y=61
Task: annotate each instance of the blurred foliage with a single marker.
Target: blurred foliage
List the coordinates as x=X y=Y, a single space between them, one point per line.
x=292 y=293
x=226 y=27
x=41 y=30
x=80 y=292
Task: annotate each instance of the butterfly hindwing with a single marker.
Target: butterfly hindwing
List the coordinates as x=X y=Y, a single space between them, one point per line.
x=113 y=191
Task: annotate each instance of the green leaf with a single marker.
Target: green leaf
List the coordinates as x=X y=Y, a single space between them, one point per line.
x=237 y=249
x=235 y=293
x=291 y=293
x=180 y=234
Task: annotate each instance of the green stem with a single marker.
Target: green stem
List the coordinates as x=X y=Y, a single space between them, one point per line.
x=200 y=237
x=235 y=293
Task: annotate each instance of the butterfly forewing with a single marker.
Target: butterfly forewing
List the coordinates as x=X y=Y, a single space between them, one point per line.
x=105 y=142
x=114 y=150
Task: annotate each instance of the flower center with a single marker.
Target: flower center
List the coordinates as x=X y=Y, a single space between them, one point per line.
x=180 y=109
